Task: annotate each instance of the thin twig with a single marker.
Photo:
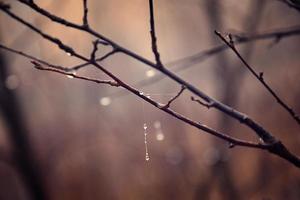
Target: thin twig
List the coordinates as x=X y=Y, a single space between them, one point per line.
x=175 y=97
x=153 y=36
x=259 y=77
x=85 y=14
x=33 y=58
x=95 y=49
x=39 y=66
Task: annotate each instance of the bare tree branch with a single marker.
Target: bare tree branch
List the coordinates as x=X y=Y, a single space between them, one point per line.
x=259 y=77
x=237 y=142
x=272 y=144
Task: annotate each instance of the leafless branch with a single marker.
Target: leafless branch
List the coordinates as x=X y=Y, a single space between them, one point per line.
x=200 y=126
x=259 y=77
x=271 y=144
x=153 y=36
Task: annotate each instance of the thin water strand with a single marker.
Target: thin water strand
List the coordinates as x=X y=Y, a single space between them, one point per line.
x=147 y=157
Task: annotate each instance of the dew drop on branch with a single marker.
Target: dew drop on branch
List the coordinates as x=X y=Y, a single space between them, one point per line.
x=71 y=72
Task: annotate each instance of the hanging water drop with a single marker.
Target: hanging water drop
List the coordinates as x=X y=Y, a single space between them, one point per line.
x=147 y=157
x=69 y=54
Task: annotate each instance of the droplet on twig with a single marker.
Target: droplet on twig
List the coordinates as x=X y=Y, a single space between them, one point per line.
x=72 y=72
x=145 y=126
x=231 y=145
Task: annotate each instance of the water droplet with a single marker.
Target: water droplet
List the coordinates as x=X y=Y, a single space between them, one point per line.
x=12 y=82
x=147 y=157
x=105 y=101
x=69 y=54
x=150 y=73
x=145 y=126
x=231 y=145
x=71 y=72
x=141 y=93
x=261 y=140
x=145 y=141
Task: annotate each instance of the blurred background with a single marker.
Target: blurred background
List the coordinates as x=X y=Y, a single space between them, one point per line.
x=63 y=138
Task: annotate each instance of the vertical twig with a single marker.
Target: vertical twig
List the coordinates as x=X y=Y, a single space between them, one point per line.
x=153 y=36
x=85 y=14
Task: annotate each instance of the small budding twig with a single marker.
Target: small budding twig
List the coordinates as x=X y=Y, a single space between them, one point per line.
x=153 y=36
x=39 y=66
x=167 y=105
x=259 y=77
